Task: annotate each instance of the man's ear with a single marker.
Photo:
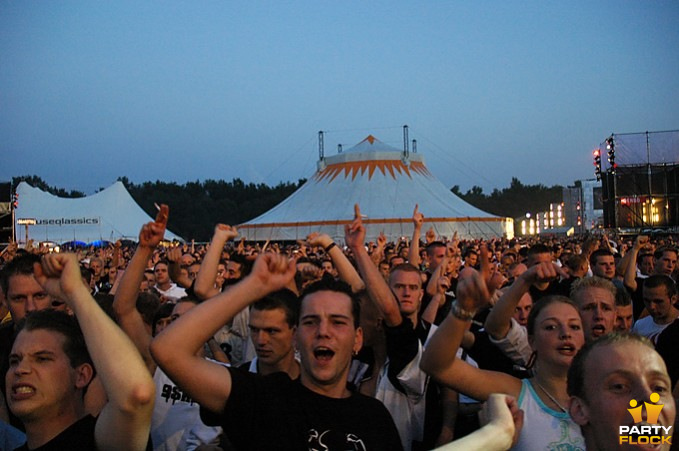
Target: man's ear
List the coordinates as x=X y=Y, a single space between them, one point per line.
x=358 y=340
x=83 y=375
x=579 y=411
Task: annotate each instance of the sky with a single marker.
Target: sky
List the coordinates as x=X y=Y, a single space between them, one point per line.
x=182 y=91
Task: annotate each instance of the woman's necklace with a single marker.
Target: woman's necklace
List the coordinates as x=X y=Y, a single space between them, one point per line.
x=549 y=396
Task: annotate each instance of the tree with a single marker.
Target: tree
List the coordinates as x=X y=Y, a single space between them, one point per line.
x=513 y=201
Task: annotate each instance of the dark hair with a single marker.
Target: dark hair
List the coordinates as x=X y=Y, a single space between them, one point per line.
x=576 y=372
x=598 y=253
x=86 y=274
x=163 y=261
x=147 y=305
x=393 y=257
x=105 y=302
x=60 y=322
x=284 y=300
x=543 y=303
x=468 y=252
x=245 y=265
x=657 y=280
x=622 y=298
x=433 y=245
x=641 y=257
x=20 y=265
x=339 y=287
x=163 y=311
x=536 y=249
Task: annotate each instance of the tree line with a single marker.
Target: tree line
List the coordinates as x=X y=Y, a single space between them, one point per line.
x=514 y=201
x=195 y=207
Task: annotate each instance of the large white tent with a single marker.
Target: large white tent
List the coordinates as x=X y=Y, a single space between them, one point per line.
x=387 y=183
x=108 y=215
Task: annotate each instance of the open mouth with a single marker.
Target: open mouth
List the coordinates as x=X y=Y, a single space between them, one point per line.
x=23 y=390
x=567 y=349
x=598 y=330
x=323 y=354
x=20 y=392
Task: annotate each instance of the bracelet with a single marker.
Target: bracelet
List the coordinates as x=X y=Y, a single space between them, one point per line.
x=330 y=246
x=460 y=313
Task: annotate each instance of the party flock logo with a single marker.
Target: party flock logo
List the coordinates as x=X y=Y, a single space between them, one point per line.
x=647 y=432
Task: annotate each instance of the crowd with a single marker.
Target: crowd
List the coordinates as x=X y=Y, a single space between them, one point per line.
x=529 y=344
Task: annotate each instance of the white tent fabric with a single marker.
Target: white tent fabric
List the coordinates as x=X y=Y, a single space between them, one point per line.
x=108 y=215
x=386 y=185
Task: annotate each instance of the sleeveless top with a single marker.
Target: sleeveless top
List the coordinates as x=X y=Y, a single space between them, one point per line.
x=545 y=428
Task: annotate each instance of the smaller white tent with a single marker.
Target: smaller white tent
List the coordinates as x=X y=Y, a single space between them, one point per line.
x=108 y=215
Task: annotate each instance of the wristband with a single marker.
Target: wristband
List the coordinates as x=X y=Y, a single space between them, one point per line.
x=329 y=246
x=460 y=313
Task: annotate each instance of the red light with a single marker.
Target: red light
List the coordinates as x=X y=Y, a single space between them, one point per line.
x=597 y=152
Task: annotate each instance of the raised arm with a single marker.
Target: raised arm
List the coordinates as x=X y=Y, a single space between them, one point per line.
x=345 y=269
x=117 y=250
x=442 y=284
x=176 y=348
x=174 y=256
x=501 y=432
x=125 y=300
x=377 y=254
x=414 y=250
x=378 y=290
x=440 y=271
x=205 y=280
x=440 y=357
x=125 y=420
x=630 y=280
x=498 y=321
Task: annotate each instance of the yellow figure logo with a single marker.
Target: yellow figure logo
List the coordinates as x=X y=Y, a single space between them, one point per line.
x=652 y=410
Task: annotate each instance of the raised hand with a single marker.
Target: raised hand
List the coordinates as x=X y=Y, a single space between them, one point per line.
x=152 y=233
x=225 y=232
x=174 y=254
x=59 y=274
x=442 y=285
x=543 y=273
x=640 y=242
x=318 y=239
x=273 y=271
x=382 y=240
x=474 y=289
x=354 y=234
x=418 y=218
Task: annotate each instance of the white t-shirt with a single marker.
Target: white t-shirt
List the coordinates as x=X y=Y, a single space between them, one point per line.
x=174 y=292
x=649 y=328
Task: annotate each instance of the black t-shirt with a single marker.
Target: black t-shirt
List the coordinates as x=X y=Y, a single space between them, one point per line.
x=637 y=296
x=668 y=348
x=78 y=436
x=486 y=354
x=275 y=412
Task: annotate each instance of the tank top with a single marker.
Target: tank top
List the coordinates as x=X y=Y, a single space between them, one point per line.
x=545 y=428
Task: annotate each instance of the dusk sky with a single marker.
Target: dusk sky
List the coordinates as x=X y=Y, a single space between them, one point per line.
x=180 y=91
